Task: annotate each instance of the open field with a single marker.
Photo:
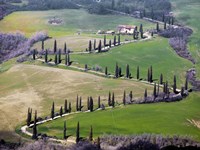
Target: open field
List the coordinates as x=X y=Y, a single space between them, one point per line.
x=74 y=21
x=156 y=52
x=187 y=12
x=25 y=86
x=161 y=118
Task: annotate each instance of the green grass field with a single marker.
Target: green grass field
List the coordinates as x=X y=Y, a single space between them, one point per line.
x=24 y=86
x=156 y=52
x=74 y=21
x=161 y=118
x=187 y=12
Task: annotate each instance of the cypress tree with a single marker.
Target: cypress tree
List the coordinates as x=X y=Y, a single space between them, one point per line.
x=55 y=60
x=77 y=133
x=166 y=87
x=88 y=103
x=141 y=31
x=106 y=71
x=113 y=99
x=131 y=96
x=91 y=104
x=161 y=78
x=61 y=111
x=34 y=136
x=151 y=74
x=104 y=41
x=98 y=143
x=91 y=134
x=95 y=44
x=46 y=56
x=90 y=46
x=77 y=103
x=34 y=54
x=70 y=107
x=124 y=98
x=127 y=71
x=59 y=56
x=120 y=72
x=52 y=110
x=109 y=99
x=158 y=91
x=157 y=27
x=114 y=41
x=154 y=91
x=186 y=83
x=138 y=72
x=116 y=71
x=152 y=33
x=119 y=39
x=55 y=46
x=174 y=86
x=42 y=44
x=29 y=116
x=99 y=47
x=110 y=43
x=145 y=95
x=65 y=131
x=99 y=102
x=65 y=107
x=165 y=25
x=163 y=17
x=68 y=60
x=135 y=33
x=80 y=104
x=65 y=48
x=182 y=91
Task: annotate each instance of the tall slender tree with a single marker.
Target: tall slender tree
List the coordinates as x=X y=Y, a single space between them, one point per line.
x=61 y=111
x=158 y=89
x=52 y=110
x=46 y=56
x=99 y=102
x=141 y=31
x=70 y=107
x=55 y=46
x=106 y=71
x=65 y=131
x=157 y=27
x=90 y=46
x=113 y=99
x=65 y=48
x=59 y=56
x=104 y=41
x=120 y=72
x=161 y=78
x=154 y=91
x=109 y=99
x=94 y=44
x=151 y=74
x=119 y=39
x=88 y=103
x=186 y=83
x=65 y=107
x=77 y=133
x=42 y=44
x=174 y=86
x=127 y=71
x=110 y=43
x=131 y=96
x=80 y=104
x=55 y=60
x=116 y=71
x=34 y=136
x=91 y=134
x=91 y=104
x=98 y=143
x=124 y=98
x=165 y=25
x=138 y=72
x=135 y=33
x=99 y=47
x=114 y=41
x=34 y=54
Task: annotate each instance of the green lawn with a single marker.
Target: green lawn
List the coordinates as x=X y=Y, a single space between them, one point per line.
x=160 y=118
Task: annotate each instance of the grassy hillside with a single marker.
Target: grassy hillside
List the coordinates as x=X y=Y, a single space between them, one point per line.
x=156 y=52
x=25 y=86
x=162 y=118
x=187 y=12
x=73 y=21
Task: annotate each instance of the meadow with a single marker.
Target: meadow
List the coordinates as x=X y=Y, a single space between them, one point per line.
x=167 y=119
x=24 y=86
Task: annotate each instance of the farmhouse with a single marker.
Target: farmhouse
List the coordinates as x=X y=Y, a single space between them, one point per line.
x=125 y=29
